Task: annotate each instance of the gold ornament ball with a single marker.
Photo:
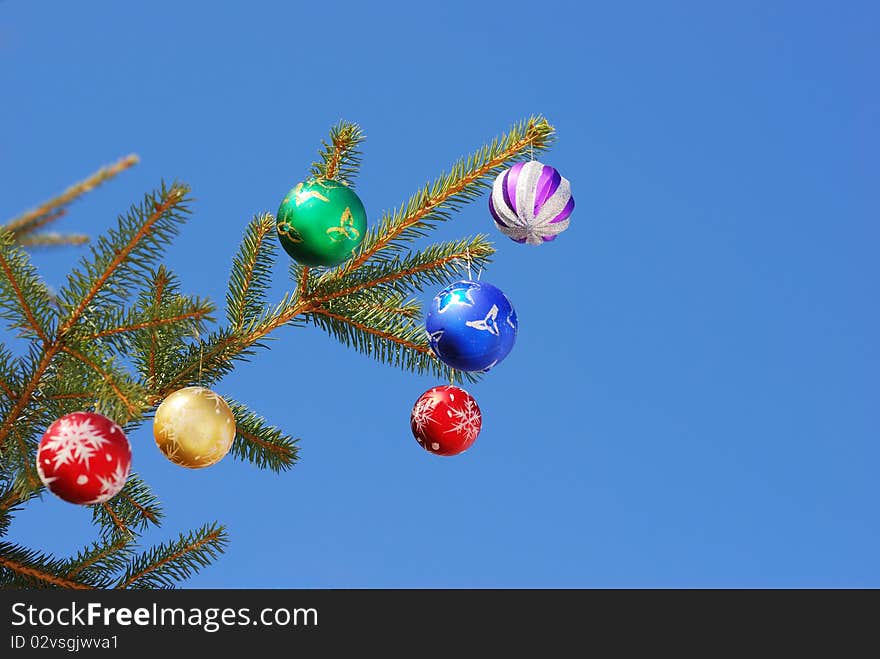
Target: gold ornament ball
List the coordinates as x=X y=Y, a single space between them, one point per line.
x=194 y=427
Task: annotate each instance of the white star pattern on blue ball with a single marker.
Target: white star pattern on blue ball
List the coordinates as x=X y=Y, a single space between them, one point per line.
x=488 y=324
x=434 y=337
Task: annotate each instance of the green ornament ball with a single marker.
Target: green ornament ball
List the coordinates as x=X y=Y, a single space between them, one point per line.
x=321 y=222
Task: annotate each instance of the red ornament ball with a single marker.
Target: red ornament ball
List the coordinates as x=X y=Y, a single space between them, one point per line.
x=446 y=420
x=84 y=458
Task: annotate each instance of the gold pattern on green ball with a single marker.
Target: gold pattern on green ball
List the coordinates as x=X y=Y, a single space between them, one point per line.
x=321 y=222
x=346 y=228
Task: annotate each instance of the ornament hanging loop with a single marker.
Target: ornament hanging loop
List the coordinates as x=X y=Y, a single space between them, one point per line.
x=198 y=338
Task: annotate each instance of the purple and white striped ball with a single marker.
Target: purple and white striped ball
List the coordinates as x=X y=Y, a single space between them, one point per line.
x=531 y=203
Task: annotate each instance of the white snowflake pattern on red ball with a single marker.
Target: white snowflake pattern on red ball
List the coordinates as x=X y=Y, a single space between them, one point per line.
x=84 y=458
x=466 y=419
x=446 y=420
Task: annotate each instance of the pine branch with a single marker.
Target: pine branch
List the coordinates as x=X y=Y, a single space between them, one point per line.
x=164 y=565
x=301 y=277
x=8 y=378
x=213 y=358
x=190 y=312
x=251 y=274
x=100 y=561
x=160 y=281
x=259 y=443
x=450 y=192
x=119 y=261
x=24 y=299
x=52 y=239
x=6 y=389
x=362 y=331
x=40 y=223
x=162 y=319
x=129 y=512
x=433 y=266
x=11 y=498
x=54 y=208
x=340 y=159
x=118 y=524
x=26 y=568
x=122 y=259
x=362 y=322
x=18 y=454
x=122 y=330
x=119 y=396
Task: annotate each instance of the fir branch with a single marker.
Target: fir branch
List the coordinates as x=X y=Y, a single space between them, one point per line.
x=124 y=389
x=259 y=443
x=251 y=273
x=129 y=512
x=174 y=317
x=19 y=454
x=450 y=192
x=12 y=498
x=26 y=568
x=6 y=389
x=100 y=561
x=367 y=322
x=160 y=280
x=54 y=208
x=214 y=357
x=372 y=331
x=52 y=239
x=155 y=347
x=340 y=158
x=118 y=524
x=302 y=281
x=8 y=376
x=121 y=259
x=40 y=222
x=24 y=299
x=197 y=311
x=164 y=565
x=78 y=395
x=433 y=266
x=409 y=309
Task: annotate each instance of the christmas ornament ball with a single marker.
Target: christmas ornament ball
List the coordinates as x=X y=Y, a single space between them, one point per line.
x=446 y=420
x=531 y=203
x=194 y=427
x=471 y=325
x=321 y=222
x=84 y=458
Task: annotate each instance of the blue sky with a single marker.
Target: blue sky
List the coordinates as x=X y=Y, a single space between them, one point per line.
x=693 y=397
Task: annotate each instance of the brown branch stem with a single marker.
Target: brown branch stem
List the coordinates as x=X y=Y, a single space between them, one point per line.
x=42 y=576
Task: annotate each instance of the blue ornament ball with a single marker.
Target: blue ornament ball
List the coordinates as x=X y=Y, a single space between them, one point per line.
x=471 y=325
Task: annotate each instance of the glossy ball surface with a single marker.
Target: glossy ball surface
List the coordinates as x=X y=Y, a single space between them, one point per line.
x=446 y=420
x=84 y=458
x=471 y=325
x=321 y=223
